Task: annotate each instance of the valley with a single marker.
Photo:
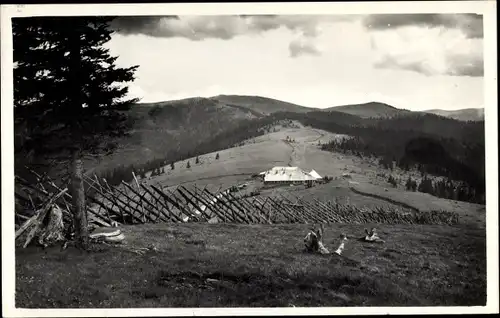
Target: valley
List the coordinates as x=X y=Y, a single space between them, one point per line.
x=173 y=130
x=195 y=263
x=237 y=165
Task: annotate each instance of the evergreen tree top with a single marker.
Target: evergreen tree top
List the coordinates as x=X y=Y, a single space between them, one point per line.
x=68 y=91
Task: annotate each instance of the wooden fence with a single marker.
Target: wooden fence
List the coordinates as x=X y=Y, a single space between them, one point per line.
x=140 y=203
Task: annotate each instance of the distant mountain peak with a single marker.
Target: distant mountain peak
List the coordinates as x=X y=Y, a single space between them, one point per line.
x=466 y=114
x=263 y=105
x=370 y=109
x=374 y=103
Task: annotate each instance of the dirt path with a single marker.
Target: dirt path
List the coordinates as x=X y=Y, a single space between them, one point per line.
x=290 y=159
x=321 y=135
x=298 y=153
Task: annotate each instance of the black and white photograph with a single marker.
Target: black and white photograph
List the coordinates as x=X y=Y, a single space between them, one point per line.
x=226 y=157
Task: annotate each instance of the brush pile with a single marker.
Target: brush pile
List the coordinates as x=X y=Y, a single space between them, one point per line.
x=46 y=225
x=43 y=212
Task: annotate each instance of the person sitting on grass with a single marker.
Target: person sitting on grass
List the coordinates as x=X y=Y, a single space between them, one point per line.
x=343 y=240
x=372 y=236
x=314 y=241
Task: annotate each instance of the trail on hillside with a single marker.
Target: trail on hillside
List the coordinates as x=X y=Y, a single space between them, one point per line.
x=299 y=149
x=321 y=135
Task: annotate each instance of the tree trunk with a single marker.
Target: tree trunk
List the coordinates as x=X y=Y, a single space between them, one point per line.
x=78 y=195
x=75 y=105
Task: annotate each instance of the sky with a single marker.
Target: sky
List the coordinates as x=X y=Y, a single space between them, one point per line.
x=410 y=61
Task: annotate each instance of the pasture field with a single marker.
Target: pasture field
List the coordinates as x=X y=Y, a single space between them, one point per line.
x=228 y=265
x=470 y=213
x=236 y=165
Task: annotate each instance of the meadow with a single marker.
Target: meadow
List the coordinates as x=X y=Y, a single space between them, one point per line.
x=228 y=265
x=241 y=265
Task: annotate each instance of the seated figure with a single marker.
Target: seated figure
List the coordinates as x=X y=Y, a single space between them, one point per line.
x=314 y=241
x=372 y=236
x=343 y=240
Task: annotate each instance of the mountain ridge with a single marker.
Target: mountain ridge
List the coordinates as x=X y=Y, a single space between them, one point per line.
x=176 y=128
x=474 y=114
x=259 y=106
x=263 y=105
x=369 y=110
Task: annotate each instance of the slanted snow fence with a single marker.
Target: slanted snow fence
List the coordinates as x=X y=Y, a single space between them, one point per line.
x=146 y=203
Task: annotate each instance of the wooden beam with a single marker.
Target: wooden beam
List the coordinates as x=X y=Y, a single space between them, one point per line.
x=142 y=198
x=168 y=199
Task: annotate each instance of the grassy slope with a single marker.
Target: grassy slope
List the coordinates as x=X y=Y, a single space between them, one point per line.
x=237 y=164
x=160 y=127
x=372 y=109
x=260 y=104
x=260 y=265
x=475 y=114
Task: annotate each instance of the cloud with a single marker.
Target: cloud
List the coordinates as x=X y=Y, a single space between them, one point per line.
x=226 y=27
x=454 y=65
x=429 y=51
x=193 y=28
x=463 y=65
x=307 y=25
x=398 y=62
x=222 y=27
x=470 y=24
x=303 y=46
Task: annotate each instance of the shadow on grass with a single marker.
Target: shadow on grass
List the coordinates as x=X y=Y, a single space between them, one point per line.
x=278 y=288
x=252 y=266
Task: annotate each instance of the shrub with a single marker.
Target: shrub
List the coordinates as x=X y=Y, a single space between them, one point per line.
x=392 y=181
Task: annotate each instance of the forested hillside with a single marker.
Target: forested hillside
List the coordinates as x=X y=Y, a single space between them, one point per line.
x=436 y=145
x=370 y=110
x=163 y=133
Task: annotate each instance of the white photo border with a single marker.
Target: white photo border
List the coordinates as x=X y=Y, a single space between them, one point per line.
x=486 y=8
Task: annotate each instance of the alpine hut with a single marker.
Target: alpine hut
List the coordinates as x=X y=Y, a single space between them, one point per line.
x=289 y=175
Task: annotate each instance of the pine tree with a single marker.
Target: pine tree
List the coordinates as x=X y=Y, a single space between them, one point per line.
x=414 y=186
x=197 y=160
x=188 y=165
x=426 y=186
x=172 y=166
x=217 y=156
x=66 y=100
x=391 y=180
x=409 y=184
